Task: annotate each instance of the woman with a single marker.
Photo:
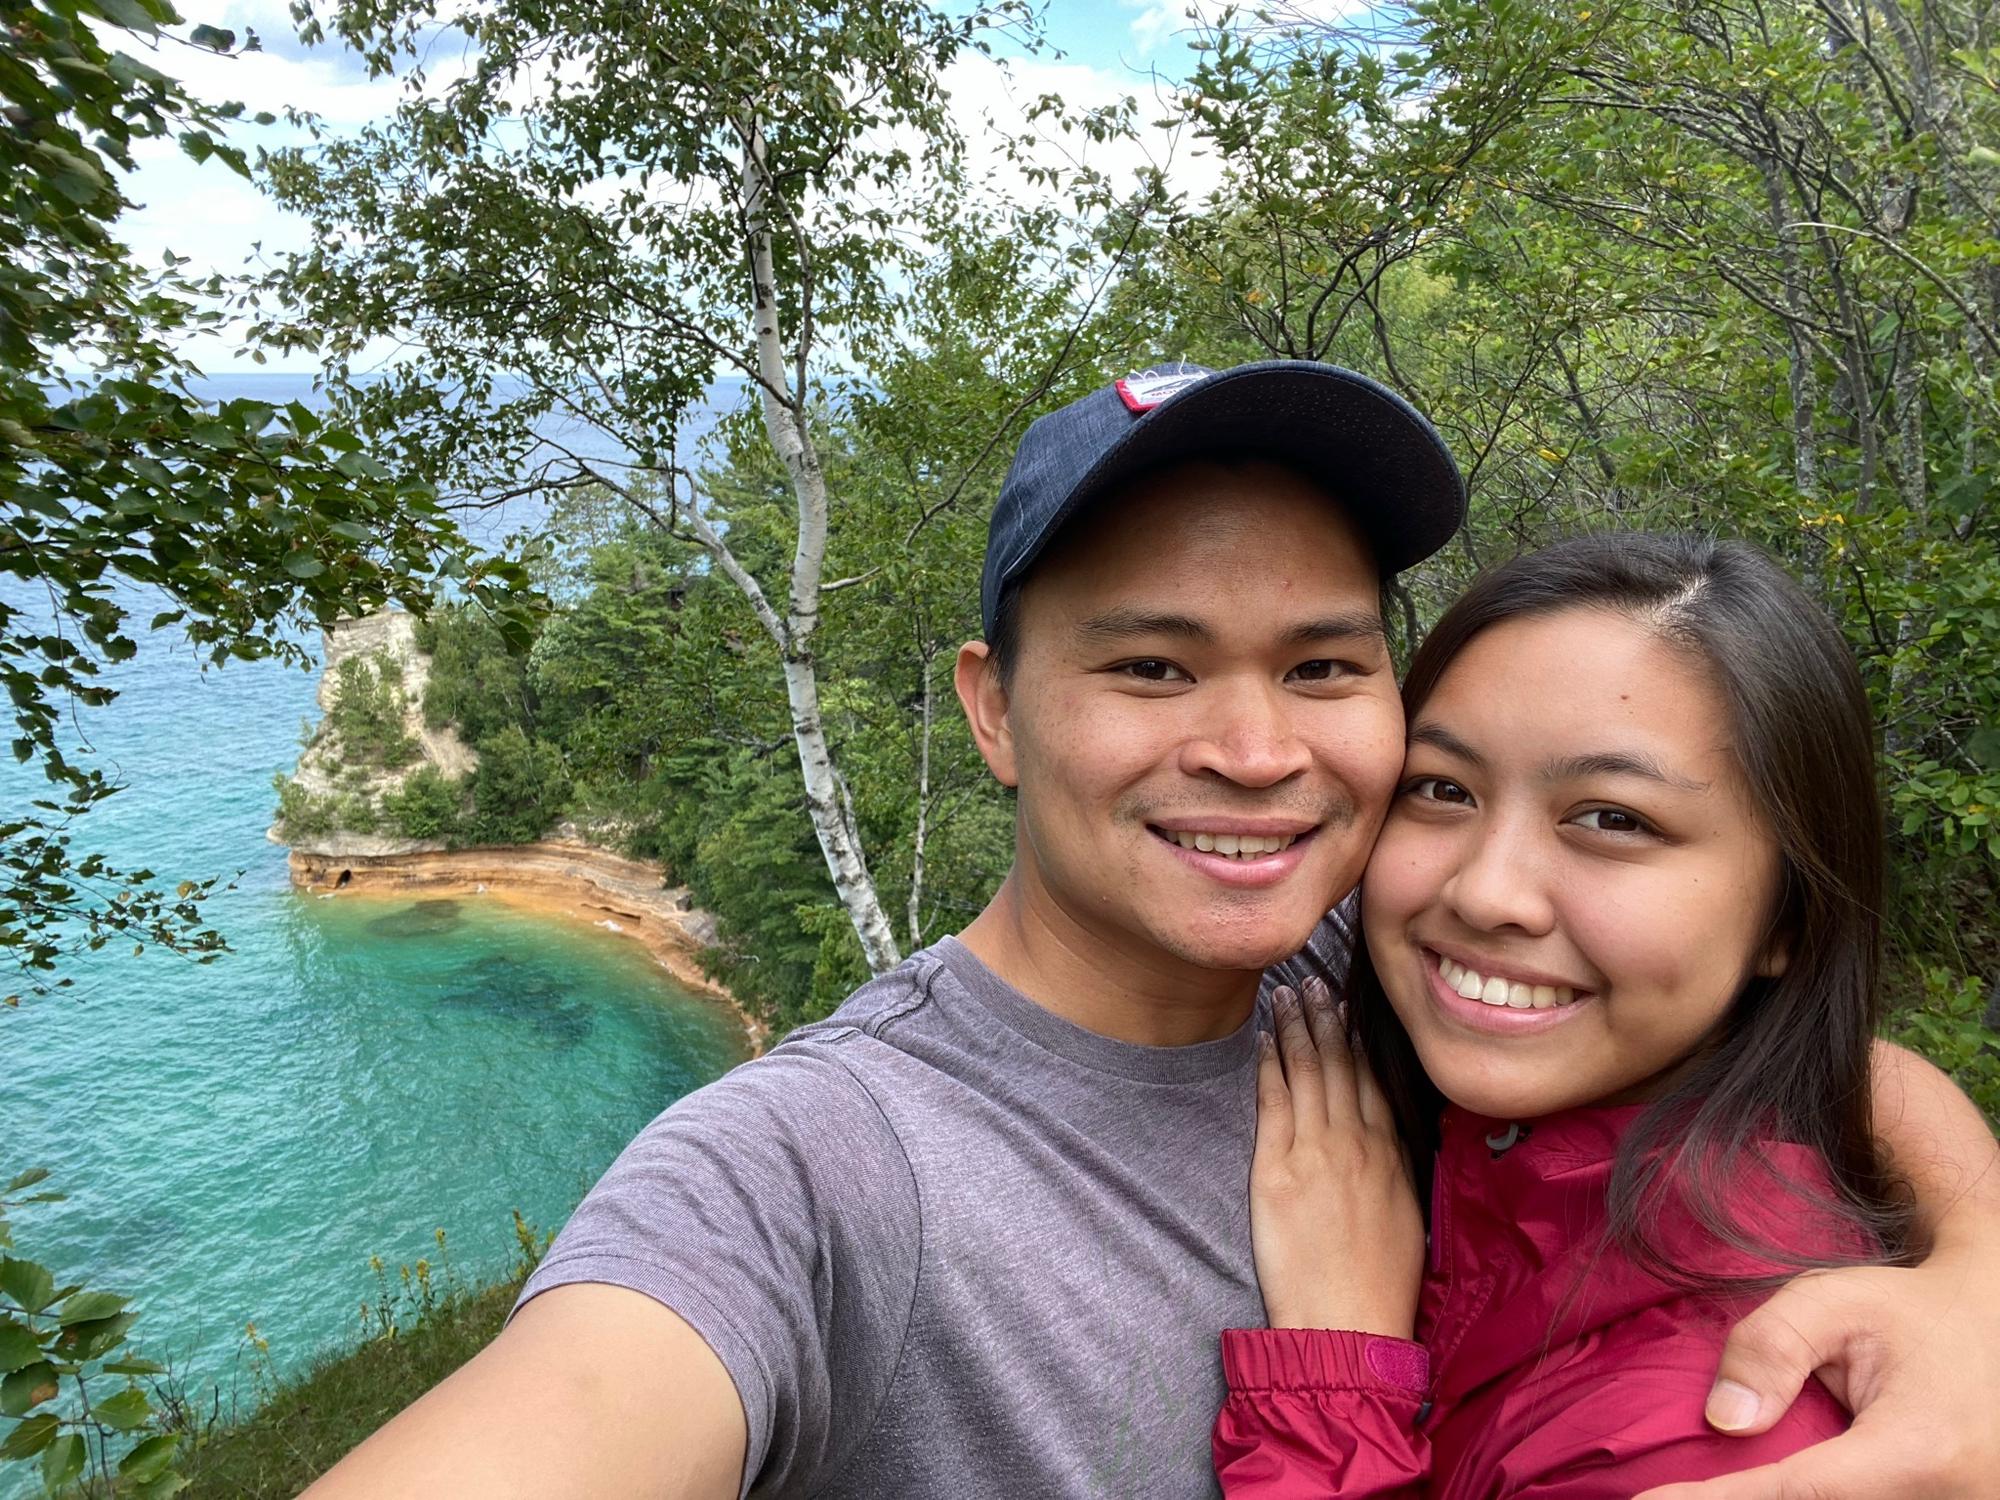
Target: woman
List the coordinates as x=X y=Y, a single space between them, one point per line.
x=1618 y=980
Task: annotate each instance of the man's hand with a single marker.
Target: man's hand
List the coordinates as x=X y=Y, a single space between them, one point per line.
x=1913 y=1353
x=1334 y=1223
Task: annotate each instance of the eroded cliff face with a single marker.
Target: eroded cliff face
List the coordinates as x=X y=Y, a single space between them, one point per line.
x=386 y=640
x=567 y=873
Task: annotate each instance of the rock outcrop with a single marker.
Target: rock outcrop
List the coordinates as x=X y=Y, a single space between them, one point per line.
x=564 y=874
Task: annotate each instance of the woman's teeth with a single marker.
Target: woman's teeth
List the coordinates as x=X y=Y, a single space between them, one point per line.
x=1235 y=845
x=1494 y=990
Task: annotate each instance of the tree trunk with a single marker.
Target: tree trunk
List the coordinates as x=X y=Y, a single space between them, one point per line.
x=923 y=809
x=784 y=405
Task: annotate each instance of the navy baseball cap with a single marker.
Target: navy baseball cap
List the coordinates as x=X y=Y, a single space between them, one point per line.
x=1368 y=447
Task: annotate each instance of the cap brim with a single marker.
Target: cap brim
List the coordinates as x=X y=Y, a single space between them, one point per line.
x=1373 y=452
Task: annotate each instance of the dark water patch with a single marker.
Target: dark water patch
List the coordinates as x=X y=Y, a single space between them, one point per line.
x=423 y=919
x=511 y=991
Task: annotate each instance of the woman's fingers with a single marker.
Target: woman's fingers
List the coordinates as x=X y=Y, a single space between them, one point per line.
x=1304 y=1069
x=1336 y=1058
x=1274 y=1101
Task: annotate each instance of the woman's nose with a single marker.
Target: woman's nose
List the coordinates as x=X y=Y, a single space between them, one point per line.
x=1502 y=882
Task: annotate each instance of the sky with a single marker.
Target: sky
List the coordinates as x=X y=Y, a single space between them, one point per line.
x=206 y=213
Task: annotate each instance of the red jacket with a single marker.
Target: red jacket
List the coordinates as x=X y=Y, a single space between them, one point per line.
x=1549 y=1364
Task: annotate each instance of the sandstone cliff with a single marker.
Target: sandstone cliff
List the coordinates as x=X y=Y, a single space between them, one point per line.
x=568 y=873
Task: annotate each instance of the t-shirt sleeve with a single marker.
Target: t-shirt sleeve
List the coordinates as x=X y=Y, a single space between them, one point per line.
x=775 y=1212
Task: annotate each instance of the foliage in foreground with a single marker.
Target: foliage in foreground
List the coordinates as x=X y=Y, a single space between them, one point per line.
x=82 y=1418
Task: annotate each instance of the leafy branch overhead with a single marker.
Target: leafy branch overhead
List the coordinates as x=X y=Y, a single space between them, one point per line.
x=128 y=506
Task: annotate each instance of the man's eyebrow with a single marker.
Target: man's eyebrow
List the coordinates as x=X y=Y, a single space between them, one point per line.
x=1122 y=624
x=1617 y=763
x=1337 y=627
x=1439 y=738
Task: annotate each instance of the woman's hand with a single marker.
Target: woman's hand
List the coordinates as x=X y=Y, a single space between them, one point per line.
x=1334 y=1222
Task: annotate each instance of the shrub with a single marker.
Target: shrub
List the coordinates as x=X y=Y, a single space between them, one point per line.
x=368 y=712
x=427 y=806
x=519 y=789
x=475 y=682
x=301 y=815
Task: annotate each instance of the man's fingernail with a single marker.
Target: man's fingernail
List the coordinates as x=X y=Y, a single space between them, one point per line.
x=1731 y=1407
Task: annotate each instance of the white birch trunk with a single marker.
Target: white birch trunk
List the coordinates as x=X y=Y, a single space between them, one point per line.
x=923 y=809
x=784 y=404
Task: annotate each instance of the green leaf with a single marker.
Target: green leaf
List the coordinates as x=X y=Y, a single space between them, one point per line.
x=62 y=1461
x=30 y=1285
x=96 y=1338
x=135 y=1367
x=213 y=37
x=87 y=1307
x=303 y=565
x=31 y=1437
x=28 y=1179
x=27 y=1388
x=18 y=1346
x=354 y=531
x=124 y=1411
x=149 y=1459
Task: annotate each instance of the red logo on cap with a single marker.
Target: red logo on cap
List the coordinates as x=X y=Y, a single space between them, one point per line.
x=1141 y=393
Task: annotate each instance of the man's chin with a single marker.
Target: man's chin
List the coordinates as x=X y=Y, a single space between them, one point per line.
x=1252 y=951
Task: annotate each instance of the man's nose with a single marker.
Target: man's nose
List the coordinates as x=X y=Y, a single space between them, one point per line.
x=1502 y=881
x=1247 y=735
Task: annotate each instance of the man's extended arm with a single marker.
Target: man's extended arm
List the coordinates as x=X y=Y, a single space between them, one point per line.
x=1914 y=1353
x=590 y=1391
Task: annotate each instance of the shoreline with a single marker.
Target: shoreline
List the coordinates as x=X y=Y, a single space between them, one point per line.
x=557 y=878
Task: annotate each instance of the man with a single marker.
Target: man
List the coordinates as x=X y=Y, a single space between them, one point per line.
x=975 y=1234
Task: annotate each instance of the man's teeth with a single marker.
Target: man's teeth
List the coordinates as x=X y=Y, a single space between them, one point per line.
x=1235 y=845
x=1493 y=990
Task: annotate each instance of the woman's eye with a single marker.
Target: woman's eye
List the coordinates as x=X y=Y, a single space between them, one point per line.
x=1612 y=820
x=1153 y=670
x=1439 y=789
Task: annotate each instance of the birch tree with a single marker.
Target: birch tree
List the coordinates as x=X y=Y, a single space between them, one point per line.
x=597 y=210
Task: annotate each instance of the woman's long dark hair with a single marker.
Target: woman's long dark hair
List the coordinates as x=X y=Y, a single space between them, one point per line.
x=1790 y=1057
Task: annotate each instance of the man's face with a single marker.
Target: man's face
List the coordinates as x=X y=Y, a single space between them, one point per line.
x=1202 y=721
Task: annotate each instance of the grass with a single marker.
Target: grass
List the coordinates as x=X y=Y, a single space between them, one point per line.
x=311 y=1421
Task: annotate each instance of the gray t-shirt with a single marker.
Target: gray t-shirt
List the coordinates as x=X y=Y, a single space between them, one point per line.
x=949 y=1244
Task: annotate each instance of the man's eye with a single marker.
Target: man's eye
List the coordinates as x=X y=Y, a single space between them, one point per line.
x=1438 y=789
x=1322 y=669
x=1151 y=669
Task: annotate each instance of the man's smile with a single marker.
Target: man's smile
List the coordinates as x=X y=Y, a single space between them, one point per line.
x=1245 y=853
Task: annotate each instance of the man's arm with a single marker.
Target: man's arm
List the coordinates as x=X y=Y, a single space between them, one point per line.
x=590 y=1391
x=1914 y=1353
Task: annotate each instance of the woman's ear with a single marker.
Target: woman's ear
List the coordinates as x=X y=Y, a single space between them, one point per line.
x=983 y=696
x=1775 y=956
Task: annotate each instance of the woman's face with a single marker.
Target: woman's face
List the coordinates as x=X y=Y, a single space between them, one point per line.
x=1573 y=883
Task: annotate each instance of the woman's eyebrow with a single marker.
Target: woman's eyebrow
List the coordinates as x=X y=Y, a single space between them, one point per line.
x=1617 y=763
x=1438 y=737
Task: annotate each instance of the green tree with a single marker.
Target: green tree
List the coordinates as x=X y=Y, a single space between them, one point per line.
x=746 y=187
x=120 y=490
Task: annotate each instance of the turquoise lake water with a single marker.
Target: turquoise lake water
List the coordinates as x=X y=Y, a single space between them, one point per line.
x=238 y=1138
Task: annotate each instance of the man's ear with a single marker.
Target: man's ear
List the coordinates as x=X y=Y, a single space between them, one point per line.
x=983 y=696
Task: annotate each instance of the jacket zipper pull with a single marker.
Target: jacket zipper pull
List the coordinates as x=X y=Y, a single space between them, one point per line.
x=1504 y=1141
